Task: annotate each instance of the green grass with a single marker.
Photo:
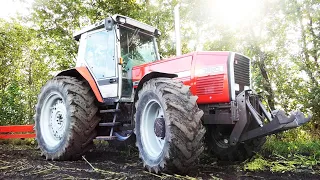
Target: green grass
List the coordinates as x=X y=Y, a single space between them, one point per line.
x=285 y=147
x=290 y=151
x=28 y=141
x=281 y=164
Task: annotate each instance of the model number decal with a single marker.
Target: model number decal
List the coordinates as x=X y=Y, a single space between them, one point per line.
x=184 y=74
x=210 y=70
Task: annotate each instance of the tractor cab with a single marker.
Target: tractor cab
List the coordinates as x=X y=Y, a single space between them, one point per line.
x=110 y=48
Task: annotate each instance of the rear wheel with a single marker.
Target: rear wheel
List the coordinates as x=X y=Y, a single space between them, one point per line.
x=168 y=126
x=65 y=118
x=217 y=140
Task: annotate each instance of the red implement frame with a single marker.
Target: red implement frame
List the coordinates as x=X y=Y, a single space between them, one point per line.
x=17 y=132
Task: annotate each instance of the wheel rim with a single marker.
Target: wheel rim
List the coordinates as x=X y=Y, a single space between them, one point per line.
x=53 y=120
x=221 y=137
x=152 y=144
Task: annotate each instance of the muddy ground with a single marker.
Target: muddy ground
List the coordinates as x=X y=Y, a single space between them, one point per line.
x=25 y=162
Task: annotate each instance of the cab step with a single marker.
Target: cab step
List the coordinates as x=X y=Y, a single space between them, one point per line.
x=110 y=124
x=106 y=138
x=110 y=111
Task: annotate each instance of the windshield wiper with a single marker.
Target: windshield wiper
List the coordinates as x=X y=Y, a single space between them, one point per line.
x=136 y=31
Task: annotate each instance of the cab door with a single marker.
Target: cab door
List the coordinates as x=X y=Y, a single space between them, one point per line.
x=100 y=58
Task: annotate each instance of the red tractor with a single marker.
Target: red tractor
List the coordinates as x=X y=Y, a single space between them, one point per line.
x=174 y=107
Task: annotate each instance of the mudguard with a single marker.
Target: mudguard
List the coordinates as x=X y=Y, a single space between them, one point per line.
x=84 y=73
x=139 y=84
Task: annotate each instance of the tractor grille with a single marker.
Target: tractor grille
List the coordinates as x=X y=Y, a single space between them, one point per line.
x=241 y=71
x=210 y=84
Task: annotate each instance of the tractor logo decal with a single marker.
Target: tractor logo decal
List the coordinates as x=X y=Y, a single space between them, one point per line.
x=213 y=70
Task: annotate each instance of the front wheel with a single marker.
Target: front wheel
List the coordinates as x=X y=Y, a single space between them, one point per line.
x=168 y=126
x=217 y=141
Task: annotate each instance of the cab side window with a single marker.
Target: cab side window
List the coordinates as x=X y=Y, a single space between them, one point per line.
x=100 y=54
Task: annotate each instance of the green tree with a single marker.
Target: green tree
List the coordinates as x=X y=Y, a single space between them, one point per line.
x=12 y=41
x=58 y=20
x=305 y=19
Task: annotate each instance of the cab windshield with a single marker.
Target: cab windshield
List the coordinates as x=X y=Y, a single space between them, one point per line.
x=137 y=48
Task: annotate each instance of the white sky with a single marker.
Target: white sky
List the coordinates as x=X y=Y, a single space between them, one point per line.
x=9 y=8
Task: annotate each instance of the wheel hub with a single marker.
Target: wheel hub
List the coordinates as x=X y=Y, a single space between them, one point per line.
x=159 y=127
x=153 y=128
x=58 y=120
x=53 y=120
x=220 y=136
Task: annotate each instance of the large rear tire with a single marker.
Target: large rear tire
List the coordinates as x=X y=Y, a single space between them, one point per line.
x=66 y=117
x=181 y=142
x=217 y=142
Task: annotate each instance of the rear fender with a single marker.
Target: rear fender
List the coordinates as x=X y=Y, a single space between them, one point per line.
x=83 y=72
x=140 y=83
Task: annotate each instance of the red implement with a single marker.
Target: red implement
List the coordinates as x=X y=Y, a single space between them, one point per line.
x=17 y=132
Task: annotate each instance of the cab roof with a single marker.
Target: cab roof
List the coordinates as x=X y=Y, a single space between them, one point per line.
x=118 y=19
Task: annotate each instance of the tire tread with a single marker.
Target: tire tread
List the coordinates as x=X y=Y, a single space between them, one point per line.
x=84 y=119
x=185 y=125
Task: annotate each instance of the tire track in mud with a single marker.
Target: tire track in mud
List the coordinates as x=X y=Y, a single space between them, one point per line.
x=25 y=162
